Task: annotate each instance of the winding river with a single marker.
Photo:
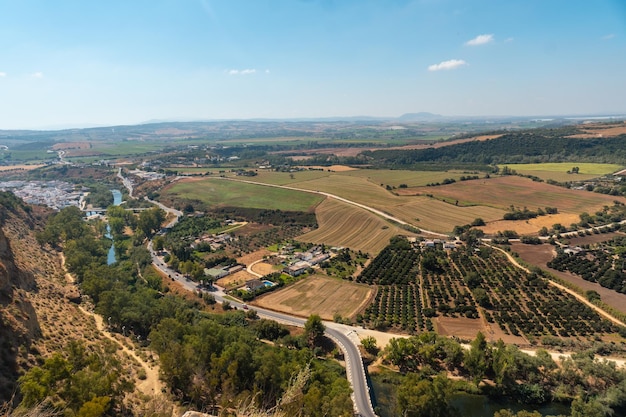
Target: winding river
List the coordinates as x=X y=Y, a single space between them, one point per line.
x=117 y=200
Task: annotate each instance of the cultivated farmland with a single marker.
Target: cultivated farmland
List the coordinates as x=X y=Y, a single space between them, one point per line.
x=219 y=193
x=417 y=284
x=501 y=192
x=342 y=224
x=319 y=295
x=558 y=171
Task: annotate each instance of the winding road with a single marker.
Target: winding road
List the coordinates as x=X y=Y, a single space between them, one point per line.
x=338 y=333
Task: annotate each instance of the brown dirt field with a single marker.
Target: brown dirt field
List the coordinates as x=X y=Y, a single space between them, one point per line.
x=336 y=168
x=71 y=145
x=248 y=258
x=235 y=280
x=594 y=131
x=591 y=239
x=462 y=327
x=318 y=295
x=24 y=167
x=539 y=255
x=263 y=268
x=531 y=226
x=501 y=192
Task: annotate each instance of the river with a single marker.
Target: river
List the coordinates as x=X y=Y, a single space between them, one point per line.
x=117 y=200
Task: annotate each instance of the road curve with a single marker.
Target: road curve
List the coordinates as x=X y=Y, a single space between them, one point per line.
x=354 y=363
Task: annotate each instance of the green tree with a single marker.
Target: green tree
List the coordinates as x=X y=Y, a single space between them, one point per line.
x=476 y=359
x=425 y=397
x=313 y=330
x=370 y=346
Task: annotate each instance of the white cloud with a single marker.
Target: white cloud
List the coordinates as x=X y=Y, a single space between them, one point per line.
x=447 y=65
x=242 y=72
x=480 y=40
x=609 y=36
x=3 y=74
x=37 y=74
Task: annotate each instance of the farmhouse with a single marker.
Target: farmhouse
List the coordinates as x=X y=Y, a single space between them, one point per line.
x=573 y=251
x=297 y=268
x=254 y=285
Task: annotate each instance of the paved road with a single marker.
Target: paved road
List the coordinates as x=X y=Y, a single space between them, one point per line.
x=339 y=333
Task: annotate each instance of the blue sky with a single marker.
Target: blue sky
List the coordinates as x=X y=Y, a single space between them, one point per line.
x=122 y=62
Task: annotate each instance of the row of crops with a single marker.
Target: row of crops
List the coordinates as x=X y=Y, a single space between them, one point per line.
x=416 y=284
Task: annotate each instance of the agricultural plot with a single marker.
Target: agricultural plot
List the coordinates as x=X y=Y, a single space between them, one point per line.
x=319 y=295
x=341 y=224
x=416 y=285
x=559 y=171
x=217 y=192
x=501 y=192
x=425 y=212
x=604 y=264
x=394 y=178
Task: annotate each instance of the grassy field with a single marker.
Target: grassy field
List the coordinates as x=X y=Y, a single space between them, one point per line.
x=319 y=295
x=342 y=224
x=558 y=171
x=217 y=192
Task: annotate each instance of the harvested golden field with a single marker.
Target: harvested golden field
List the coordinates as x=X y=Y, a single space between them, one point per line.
x=531 y=226
x=559 y=171
x=439 y=216
x=321 y=295
x=342 y=224
x=395 y=177
x=501 y=192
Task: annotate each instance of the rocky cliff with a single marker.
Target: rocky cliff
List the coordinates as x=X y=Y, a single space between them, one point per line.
x=36 y=317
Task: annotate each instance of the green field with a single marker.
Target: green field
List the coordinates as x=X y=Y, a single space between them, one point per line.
x=557 y=171
x=217 y=192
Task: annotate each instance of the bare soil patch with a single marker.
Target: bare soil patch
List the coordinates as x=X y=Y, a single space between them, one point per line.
x=235 y=280
x=602 y=130
x=319 y=295
x=248 y=258
x=263 y=268
x=335 y=168
x=540 y=255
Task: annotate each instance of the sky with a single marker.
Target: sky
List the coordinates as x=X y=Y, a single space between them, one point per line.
x=78 y=63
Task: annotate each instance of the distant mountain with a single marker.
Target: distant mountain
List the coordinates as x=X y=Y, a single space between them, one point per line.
x=420 y=117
